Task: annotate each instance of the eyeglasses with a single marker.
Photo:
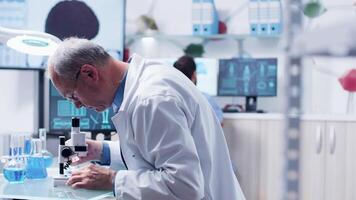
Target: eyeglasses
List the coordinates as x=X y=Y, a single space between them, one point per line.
x=73 y=97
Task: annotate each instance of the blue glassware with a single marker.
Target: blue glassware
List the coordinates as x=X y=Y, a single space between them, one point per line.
x=14 y=165
x=48 y=157
x=14 y=175
x=35 y=168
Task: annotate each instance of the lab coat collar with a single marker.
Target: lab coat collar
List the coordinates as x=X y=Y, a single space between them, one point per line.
x=134 y=72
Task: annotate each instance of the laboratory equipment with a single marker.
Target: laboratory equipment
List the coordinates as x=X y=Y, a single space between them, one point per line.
x=250 y=78
x=35 y=167
x=61 y=111
x=59 y=18
x=66 y=152
x=14 y=169
x=348 y=83
x=206 y=70
x=29 y=42
x=47 y=156
x=207 y=75
x=313 y=8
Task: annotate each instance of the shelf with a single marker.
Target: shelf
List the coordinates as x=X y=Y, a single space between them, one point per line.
x=203 y=37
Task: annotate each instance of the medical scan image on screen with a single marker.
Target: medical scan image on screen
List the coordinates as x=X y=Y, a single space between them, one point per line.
x=61 y=112
x=96 y=20
x=247 y=77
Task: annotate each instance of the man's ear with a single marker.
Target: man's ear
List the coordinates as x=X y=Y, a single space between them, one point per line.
x=89 y=72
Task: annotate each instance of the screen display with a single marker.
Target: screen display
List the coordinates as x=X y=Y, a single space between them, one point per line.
x=97 y=20
x=207 y=73
x=247 y=77
x=61 y=112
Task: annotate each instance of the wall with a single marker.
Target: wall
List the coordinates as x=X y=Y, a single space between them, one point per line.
x=322 y=93
x=18 y=102
x=177 y=22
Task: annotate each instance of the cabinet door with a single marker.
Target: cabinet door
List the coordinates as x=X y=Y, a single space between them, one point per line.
x=351 y=162
x=271 y=160
x=242 y=137
x=335 y=172
x=312 y=160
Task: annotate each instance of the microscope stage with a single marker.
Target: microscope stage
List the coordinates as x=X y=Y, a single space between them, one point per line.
x=60 y=180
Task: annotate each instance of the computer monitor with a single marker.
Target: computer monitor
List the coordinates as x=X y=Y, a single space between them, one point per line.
x=207 y=73
x=61 y=112
x=100 y=21
x=250 y=78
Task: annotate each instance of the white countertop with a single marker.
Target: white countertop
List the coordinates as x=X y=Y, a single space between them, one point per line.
x=280 y=116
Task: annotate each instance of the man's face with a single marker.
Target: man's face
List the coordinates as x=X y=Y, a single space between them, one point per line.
x=82 y=91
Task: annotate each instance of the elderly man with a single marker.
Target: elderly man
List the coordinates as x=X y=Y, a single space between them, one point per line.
x=170 y=140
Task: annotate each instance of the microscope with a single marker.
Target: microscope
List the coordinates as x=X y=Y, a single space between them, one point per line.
x=76 y=147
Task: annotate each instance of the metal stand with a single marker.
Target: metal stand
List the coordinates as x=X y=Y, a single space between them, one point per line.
x=293 y=73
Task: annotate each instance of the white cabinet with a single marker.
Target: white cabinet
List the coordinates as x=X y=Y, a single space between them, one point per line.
x=242 y=137
x=271 y=160
x=351 y=162
x=255 y=145
x=327 y=156
x=323 y=147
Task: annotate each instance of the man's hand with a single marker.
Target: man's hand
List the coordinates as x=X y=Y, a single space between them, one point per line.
x=95 y=149
x=93 y=177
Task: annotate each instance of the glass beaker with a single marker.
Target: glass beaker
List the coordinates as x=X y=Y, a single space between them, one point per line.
x=15 y=164
x=48 y=157
x=35 y=168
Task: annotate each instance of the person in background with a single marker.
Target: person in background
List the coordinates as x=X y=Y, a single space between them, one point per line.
x=187 y=66
x=171 y=143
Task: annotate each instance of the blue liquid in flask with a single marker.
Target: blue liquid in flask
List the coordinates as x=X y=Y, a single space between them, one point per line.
x=48 y=160
x=35 y=168
x=14 y=175
x=27 y=149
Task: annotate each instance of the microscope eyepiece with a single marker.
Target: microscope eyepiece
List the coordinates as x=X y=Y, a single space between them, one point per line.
x=75 y=122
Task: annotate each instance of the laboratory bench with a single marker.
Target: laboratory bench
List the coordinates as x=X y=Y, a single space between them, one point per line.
x=44 y=190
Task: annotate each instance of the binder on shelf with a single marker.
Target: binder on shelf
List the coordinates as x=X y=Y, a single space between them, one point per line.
x=263 y=10
x=204 y=18
x=275 y=17
x=210 y=19
x=253 y=17
x=196 y=17
x=265 y=17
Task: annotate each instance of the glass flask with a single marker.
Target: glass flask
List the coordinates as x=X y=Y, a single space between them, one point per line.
x=48 y=156
x=35 y=168
x=14 y=169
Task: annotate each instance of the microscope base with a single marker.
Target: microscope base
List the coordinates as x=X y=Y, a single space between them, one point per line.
x=60 y=180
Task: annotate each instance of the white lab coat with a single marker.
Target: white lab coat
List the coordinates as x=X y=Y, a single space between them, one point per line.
x=170 y=139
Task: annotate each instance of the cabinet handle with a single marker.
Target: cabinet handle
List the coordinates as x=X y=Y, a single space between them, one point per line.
x=318 y=139
x=332 y=140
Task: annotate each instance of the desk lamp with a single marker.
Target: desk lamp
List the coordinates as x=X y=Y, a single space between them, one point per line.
x=29 y=42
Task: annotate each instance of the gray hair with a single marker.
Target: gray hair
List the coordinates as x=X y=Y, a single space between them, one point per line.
x=73 y=53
